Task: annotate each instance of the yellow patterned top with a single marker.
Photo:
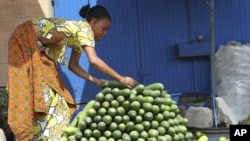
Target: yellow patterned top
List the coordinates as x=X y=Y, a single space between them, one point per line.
x=79 y=33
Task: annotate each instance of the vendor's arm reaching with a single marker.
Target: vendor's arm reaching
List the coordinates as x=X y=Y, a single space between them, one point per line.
x=99 y=65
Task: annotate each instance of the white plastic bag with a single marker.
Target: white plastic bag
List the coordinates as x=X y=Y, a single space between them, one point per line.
x=232 y=72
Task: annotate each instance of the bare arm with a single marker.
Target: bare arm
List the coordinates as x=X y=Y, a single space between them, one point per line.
x=102 y=67
x=78 y=70
x=98 y=64
x=94 y=60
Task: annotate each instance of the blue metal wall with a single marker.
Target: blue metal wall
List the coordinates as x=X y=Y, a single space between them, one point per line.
x=143 y=38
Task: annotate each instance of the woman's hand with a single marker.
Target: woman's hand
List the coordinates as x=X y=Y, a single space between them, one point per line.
x=98 y=82
x=102 y=67
x=128 y=81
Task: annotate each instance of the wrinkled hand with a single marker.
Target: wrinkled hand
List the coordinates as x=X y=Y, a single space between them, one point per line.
x=128 y=81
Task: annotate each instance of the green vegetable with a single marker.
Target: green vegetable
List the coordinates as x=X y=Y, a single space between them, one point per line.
x=69 y=130
x=106 y=90
x=112 y=84
x=83 y=114
x=63 y=139
x=155 y=86
x=74 y=122
x=139 y=88
x=118 y=113
x=153 y=93
x=125 y=92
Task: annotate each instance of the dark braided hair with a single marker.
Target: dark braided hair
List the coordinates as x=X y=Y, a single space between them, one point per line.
x=97 y=12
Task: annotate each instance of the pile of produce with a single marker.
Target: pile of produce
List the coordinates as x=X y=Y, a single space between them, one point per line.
x=144 y=113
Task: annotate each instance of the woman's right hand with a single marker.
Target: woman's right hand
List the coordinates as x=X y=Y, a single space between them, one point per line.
x=128 y=81
x=99 y=81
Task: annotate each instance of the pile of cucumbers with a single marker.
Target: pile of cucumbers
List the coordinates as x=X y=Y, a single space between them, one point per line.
x=144 y=113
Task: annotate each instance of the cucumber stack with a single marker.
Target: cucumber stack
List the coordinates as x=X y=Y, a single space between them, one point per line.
x=144 y=113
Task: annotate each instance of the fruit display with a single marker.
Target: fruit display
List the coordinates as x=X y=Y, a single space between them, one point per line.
x=144 y=113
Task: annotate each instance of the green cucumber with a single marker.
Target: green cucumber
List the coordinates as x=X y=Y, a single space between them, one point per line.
x=125 y=92
x=63 y=139
x=148 y=99
x=106 y=90
x=152 y=93
x=69 y=130
x=133 y=91
x=147 y=92
x=159 y=100
x=155 y=86
x=83 y=114
x=115 y=92
x=139 y=88
x=157 y=93
x=74 y=122
x=112 y=84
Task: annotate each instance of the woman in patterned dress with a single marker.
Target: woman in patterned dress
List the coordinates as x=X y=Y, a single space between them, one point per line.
x=38 y=97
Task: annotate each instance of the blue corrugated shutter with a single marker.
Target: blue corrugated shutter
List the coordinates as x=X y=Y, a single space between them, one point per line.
x=143 y=38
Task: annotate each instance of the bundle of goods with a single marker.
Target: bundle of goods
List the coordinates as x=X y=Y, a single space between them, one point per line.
x=233 y=78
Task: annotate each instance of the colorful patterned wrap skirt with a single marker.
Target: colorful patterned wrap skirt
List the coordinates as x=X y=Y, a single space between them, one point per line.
x=39 y=103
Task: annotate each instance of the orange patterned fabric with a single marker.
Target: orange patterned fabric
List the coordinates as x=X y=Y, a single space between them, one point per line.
x=28 y=68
